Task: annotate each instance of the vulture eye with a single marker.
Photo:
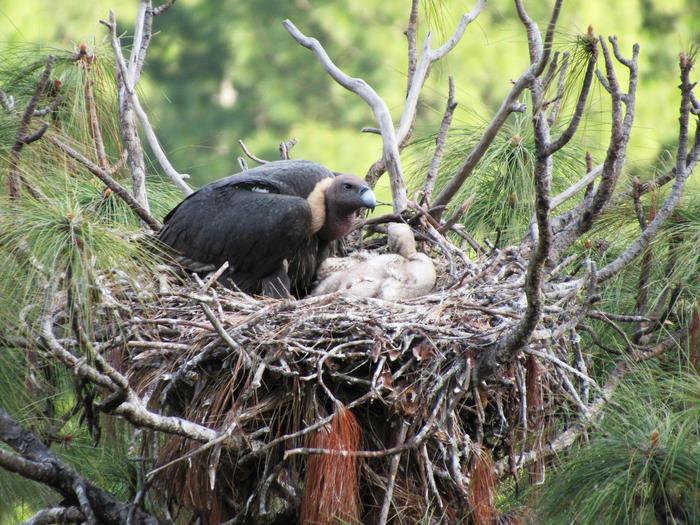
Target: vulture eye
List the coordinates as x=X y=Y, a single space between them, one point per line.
x=347 y=186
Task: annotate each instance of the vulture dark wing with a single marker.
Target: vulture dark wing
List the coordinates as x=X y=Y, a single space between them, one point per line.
x=288 y=177
x=254 y=231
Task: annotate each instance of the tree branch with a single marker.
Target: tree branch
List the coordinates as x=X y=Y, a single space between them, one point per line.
x=568 y=134
x=682 y=173
x=538 y=61
x=381 y=112
x=571 y=226
x=36 y=462
x=411 y=40
x=163 y=7
x=112 y=184
x=428 y=57
x=431 y=177
x=130 y=75
x=419 y=70
x=56 y=515
x=511 y=343
x=23 y=136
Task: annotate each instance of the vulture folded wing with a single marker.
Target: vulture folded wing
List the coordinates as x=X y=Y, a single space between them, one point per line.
x=254 y=231
x=297 y=177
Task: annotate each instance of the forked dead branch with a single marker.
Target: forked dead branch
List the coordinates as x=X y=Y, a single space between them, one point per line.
x=403 y=408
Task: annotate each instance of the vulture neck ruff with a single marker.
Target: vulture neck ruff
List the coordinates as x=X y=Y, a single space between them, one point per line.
x=317 y=203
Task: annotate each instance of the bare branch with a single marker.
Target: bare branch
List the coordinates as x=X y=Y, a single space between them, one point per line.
x=170 y=171
x=379 y=107
x=511 y=342
x=440 y=144
x=56 y=515
x=250 y=154
x=539 y=58
x=22 y=136
x=646 y=264
x=509 y=105
x=457 y=215
x=130 y=136
x=411 y=38
x=561 y=85
x=534 y=37
x=428 y=57
x=568 y=134
x=130 y=75
x=112 y=184
x=391 y=478
x=419 y=70
x=636 y=197
x=581 y=219
x=163 y=7
x=285 y=147
x=682 y=173
x=576 y=187
x=35 y=461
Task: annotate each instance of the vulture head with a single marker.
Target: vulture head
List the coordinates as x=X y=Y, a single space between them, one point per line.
x=344 y=196
x=400 y=240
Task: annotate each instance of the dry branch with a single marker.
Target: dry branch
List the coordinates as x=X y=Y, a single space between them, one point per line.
x=381 y=113
x=682 y=172
x=511 y=343
x=128 y=76
x=23 y=136
x=33 y=460
x=418 y=72
x=434 y=168
x=112 y=184
x=578 y=221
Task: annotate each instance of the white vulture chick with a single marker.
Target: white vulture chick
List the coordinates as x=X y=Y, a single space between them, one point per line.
x=402 y=274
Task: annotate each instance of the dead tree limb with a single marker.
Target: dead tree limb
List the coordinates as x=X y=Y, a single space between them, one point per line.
x=682 y=173
x=380 y=109
x=23 y=136
x=105 y=176
x=572 y=225
x=33 y=460
x=431 y=177
x=427 y=58
x=411 y=41
x=127 y=77
x=419 y=70
x=513 y=341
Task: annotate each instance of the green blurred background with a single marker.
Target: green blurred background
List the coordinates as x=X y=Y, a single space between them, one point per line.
x=220 y=71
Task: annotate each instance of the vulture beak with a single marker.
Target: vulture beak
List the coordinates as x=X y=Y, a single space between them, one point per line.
x=367 y=197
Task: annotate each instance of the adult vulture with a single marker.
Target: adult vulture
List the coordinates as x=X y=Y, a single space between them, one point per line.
x=273 y=224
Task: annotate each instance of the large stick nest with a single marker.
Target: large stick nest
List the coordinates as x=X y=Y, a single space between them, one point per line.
x=273 y=373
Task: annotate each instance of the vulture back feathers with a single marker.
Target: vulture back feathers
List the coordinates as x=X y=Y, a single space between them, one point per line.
x=273 y=224
x=403 y=274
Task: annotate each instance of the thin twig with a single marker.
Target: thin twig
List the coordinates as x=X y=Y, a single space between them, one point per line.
x=431 y=177
x=112 y=184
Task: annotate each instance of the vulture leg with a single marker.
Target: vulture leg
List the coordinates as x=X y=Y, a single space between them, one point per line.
x=277 y=284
